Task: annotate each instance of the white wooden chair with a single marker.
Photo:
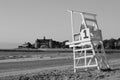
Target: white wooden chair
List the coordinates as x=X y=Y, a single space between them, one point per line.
x=85 y=42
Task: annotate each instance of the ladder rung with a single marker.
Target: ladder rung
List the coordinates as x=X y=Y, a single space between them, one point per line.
x=83 y=49
x=71 y=43
x=77 y=42
x=84 y=57
x=80 y=44
x=86 y=66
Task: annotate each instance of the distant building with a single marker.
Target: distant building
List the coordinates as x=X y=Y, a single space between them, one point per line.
x=49 y=43
x=45 y=43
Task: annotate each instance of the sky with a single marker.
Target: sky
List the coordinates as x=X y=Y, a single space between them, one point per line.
x=26 y=20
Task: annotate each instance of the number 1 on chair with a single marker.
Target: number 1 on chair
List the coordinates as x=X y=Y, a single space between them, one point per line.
x=85 y=34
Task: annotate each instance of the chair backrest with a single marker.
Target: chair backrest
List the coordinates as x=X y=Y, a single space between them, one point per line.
x=91 y=33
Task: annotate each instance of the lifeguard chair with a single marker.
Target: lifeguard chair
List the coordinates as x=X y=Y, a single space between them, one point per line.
x=88 y=50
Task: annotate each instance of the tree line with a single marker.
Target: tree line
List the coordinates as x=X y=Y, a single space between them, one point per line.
x=111 y=43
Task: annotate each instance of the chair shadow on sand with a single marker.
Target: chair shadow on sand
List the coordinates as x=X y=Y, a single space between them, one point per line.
x=109 y=69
